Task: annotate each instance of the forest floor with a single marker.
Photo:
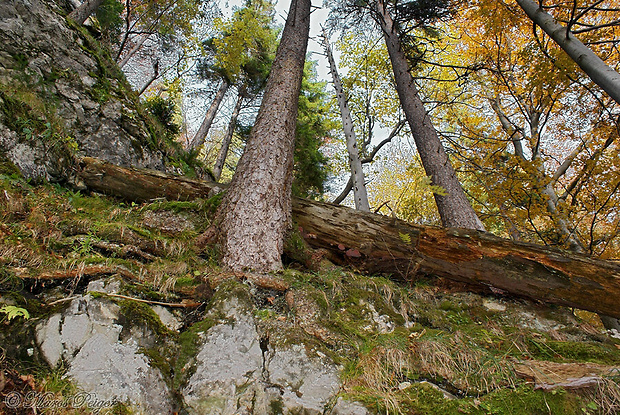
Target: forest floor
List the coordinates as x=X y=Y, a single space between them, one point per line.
x=428 y=347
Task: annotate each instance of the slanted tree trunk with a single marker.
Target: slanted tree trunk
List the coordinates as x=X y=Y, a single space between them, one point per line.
x=133 y=50
x=592 y=65
x=83 y=12
x=547 y=187
x=454 y=208
x=152 y=79
x=221 y=156
x=202 y=132
x=379 y=244
x=357 y=172
x=368 y=159
x=255 y=213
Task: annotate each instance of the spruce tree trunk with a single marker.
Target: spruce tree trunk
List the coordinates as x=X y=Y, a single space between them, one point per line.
x=202 y=132
x=256 y=210
x=592 y=65
x=454 y=208
x=85 y=9
x=357 y=173
x=221 y=156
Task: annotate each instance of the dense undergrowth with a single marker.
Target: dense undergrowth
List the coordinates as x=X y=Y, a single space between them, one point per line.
x=425 y=348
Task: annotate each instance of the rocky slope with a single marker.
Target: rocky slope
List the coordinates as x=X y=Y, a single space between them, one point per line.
x=123 y=307
x=61 y=95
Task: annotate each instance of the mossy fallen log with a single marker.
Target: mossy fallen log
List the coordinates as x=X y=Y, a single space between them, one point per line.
x=379 y=244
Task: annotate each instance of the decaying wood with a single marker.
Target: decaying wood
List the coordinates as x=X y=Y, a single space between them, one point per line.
x=379 y=244
x=550 y=375
x=77 y=272
x=142 y=185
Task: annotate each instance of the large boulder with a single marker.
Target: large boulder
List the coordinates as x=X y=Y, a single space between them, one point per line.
x=104 y=354
x=238 y=370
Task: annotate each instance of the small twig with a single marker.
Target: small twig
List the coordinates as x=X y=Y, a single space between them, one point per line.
x=182 y=304
x=62 y=300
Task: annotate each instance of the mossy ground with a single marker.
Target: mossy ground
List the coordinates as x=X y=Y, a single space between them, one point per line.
x=397 y=344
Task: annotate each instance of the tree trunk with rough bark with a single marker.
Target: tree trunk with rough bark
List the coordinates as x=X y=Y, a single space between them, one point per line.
x=202 y=132
x=379 y=244
x=454 y=208
x=592 y=65
x=83 y=12
x=357 y=172
x=221 y=156
x=255 y=213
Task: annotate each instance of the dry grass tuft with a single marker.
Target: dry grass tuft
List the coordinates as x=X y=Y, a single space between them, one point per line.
x=20 y=256
x=606 y=396
x=381 y=371
x=470 y=369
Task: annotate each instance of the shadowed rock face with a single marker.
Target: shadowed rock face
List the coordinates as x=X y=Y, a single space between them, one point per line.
x=60 y=95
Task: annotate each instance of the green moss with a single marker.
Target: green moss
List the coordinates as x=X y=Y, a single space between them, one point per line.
x=423 y=399
x=276 y=407
x=141 y=314
x=574 y=351
x=296 y=248
x=526 y=401
x=7 y=168
x=186 y=282
x=189 y=343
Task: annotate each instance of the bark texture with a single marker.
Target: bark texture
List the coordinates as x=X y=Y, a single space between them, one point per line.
x=85 y=9
x=202 y=132
x=379 y=244
x=221 y=156
x=454 y=208
x=355 y=164
x=592 y=65
x=256 y=211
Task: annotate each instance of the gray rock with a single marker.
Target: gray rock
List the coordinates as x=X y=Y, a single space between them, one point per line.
x=229 y=362
x=344 y=407
x=41 y=56
x=306 y=383
x=234 y=375
x=117 y=371
x=87 y=338
x=167 y=318
x=106 y=286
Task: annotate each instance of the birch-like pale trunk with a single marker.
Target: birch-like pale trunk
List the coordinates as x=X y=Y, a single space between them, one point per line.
x=202 y=132
x=454 y=208
x=81 y=13
x=133 y=50
x=517 y=137
x=592 y=65
x=548 y=190
x=368 y=159
x=255 y=213
x=221 y=156
x=360 y=194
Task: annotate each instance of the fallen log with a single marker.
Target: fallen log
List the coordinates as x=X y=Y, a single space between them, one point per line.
x=379 y=244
